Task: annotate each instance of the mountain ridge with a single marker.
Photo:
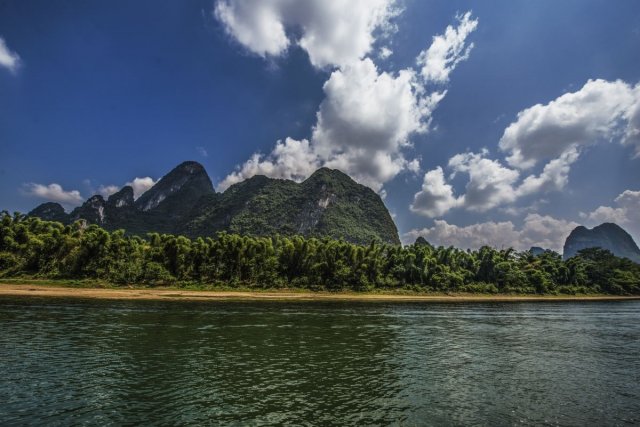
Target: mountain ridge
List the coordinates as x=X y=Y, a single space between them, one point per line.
x=327 y=204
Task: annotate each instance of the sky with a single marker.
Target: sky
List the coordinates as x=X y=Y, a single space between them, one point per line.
x=499 y=122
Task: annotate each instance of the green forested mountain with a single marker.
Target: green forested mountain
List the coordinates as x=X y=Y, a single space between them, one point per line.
x=30 y=247
x=328 y=204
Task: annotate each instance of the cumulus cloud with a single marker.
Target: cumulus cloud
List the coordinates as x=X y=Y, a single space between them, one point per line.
x=536 y=230
x=490 y=184
x=366 y=119
x=436 y=196
x=384 y=52
x=8 y=59
x=597 y=112
x=625 y=212
x=333 y=33
x=256 y=25
x=140 y=185
x=632 y=131
x=447 y=50
x=364 y=123
x=53 y=193
x=554 y=176
x=290 y=159
x=554 y=133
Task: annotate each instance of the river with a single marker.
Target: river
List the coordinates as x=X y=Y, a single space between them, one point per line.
x=67 y=362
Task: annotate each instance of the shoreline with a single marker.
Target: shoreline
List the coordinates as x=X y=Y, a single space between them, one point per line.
x=174 y=294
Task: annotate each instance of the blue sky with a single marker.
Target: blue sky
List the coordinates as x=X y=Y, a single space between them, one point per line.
x=502 y=122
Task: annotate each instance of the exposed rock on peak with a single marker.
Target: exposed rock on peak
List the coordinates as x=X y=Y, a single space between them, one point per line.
x=188 y=178
x=608 y=236
x=122 y=198
x=93 y=210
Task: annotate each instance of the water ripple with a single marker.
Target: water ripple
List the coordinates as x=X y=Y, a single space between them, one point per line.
x=319 y=364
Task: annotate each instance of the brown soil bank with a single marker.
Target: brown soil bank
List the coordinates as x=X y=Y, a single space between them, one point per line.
x=18 y=290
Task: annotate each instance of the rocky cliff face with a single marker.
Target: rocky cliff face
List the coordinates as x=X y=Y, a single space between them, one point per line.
x=607 y=236
x=184 y=184
x=121 y=199
x=93 y=210
x=328 y=204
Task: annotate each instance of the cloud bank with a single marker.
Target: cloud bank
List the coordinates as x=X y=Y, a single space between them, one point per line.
x=537 y=230
x=53 y=193
x=553 y=134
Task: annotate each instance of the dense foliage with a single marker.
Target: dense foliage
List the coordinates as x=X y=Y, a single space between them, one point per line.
x=35 y=248
x=327 y=204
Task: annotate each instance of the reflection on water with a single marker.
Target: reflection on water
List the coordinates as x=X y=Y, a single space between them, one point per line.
x=66 y=362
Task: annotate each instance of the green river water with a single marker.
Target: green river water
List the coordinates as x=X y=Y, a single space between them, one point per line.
x=66 y=362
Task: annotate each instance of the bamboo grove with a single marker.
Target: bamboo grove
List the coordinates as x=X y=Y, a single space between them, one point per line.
x=33 y=248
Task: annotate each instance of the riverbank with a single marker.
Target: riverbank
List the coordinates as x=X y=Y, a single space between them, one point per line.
x=175 y=294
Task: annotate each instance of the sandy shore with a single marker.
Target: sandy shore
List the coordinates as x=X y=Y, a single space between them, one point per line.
x=27 y=290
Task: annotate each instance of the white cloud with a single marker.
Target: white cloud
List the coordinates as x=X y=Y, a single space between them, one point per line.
x=366 y=119
x=625 y=213
x=53 y=193
x=555 y=133
x=384 y=52
x=107 y=190
x=256 y=25
x=333 y=33
x=8 y=59
x=554 y=176
x=537 y=230
x=140 y=185
x=364 y=124
x=436 y=196
x=594 y=113
x=447 y=50
x=290 y=159
x=632 y=132
x=490 y=184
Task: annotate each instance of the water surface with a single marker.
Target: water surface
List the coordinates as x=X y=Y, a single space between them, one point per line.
x=264 y=363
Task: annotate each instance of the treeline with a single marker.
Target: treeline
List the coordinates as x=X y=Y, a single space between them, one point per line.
x=30 y=247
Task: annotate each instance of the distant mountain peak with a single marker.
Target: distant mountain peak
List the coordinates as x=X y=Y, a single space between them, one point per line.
x=189 y=177
x=190 y=166
x=608 y=236
x=50 y=211
x=121 y=198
